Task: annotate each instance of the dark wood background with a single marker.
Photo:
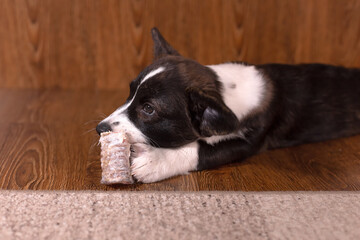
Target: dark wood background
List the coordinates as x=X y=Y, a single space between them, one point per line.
x=104 y=44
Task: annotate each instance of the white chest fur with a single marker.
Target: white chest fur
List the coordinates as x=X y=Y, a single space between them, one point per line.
x=243 y=91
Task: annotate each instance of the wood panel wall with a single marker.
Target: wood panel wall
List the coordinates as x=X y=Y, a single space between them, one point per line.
x=93 y=44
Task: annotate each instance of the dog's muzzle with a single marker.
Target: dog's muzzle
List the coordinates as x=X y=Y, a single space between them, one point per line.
x=103 y=127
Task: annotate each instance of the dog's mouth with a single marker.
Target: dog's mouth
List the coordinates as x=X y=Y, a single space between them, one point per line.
x=132 y=151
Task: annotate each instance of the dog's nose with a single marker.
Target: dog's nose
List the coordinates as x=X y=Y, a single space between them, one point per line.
x=103 y=127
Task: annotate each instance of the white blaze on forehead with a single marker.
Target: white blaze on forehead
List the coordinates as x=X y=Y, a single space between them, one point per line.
x=148 y=76
x=151 y=74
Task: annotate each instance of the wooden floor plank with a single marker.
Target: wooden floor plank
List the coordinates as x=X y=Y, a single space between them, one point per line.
x=48 y=142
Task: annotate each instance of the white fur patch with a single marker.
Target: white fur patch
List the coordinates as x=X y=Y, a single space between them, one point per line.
x=243 y=87
x=149 y=75
x=216 y=139
x=125 y=125
x=154 y=164
x=152 y=73
x=243 y=91
x=120 y=110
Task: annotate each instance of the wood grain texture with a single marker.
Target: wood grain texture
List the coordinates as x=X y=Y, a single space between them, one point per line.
x=64 y=65
x=48 y=141
x=104 y=44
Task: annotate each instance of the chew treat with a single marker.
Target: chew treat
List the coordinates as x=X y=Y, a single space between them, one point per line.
x=115 y=154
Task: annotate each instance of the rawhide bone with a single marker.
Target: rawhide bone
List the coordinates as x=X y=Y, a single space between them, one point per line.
x=115 y=158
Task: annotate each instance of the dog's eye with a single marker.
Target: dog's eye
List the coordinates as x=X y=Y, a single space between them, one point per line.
x=148 y=109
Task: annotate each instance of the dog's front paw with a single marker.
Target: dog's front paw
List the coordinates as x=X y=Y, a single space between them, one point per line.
x=144 y=163
x=151 y=164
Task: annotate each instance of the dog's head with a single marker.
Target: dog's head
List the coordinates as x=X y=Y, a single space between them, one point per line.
x=172 y=102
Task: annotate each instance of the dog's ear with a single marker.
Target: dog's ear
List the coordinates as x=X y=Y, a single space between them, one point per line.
x=161 y=47
x=209 y=114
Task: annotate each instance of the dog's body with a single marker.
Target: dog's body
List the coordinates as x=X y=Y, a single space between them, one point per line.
x=182 y=116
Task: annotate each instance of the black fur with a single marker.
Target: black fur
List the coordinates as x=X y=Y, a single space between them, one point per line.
x=310 y=102
x=210 y=115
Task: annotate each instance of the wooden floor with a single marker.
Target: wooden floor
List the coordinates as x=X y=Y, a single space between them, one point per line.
x=48 y=142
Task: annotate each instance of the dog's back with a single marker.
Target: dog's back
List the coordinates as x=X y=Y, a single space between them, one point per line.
x=312 y=102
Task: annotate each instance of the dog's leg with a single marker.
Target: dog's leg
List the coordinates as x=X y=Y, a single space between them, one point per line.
x=211 y=156
x=151 y=164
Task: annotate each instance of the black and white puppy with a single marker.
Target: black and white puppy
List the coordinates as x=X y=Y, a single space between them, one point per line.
x=182 y=116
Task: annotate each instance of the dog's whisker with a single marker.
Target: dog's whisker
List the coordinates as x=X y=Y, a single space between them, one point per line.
x=95 y=142
x=88 y=131
x=91 y=121
x=153 y=142
x=138 y=167
x=102 y=115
